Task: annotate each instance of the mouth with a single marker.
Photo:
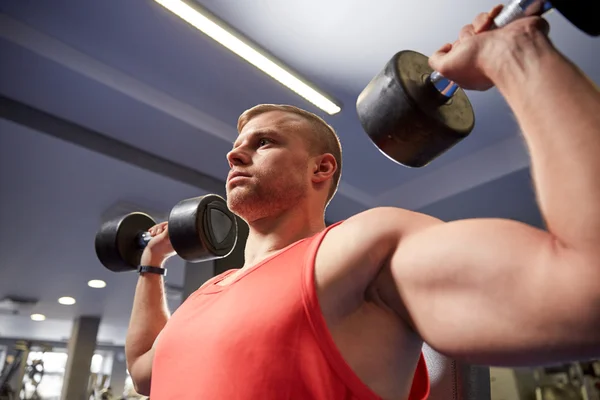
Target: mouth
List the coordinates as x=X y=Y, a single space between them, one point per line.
x=237 y=176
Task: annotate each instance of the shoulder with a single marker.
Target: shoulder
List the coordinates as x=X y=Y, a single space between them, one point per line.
x=378 y=224
x=352 y=253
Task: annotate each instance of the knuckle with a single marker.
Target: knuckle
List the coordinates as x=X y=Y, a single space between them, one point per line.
x=466 y=31
x=528 y=28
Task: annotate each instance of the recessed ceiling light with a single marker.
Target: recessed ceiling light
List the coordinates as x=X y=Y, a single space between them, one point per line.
x=216 y=30
x=38 y=317
x=96 y=284
x=67 y=301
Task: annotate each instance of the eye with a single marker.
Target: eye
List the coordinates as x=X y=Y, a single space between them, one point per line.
x=263 y=142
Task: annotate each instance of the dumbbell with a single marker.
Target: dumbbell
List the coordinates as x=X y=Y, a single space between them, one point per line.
x=413 y=114
x=200 y=229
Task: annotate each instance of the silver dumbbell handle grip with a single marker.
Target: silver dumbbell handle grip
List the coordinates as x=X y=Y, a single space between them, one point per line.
x=515 y=10
x=143 y=238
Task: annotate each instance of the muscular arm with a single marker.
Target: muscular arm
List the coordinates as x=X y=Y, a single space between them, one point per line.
x=148 y=317
x=492 y=291
x=558 y=109
x=496 y=292
x=501 y=292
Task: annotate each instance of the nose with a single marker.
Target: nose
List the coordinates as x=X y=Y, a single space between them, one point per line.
x=237 y=157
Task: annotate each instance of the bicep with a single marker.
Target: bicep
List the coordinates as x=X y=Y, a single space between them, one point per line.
x=493 y=291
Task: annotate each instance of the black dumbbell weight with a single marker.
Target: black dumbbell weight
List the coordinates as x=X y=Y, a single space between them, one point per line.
x=413 y=114
x=200 y=229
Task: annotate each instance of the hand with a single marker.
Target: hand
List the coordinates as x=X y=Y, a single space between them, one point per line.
x=159 y=249
x=478 y=52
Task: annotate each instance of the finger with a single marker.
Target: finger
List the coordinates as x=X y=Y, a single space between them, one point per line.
x=480 y=21
x=494 y=12
x=485 y=21
x=165 y=232
x=445 y=49
x=436 y=58
x=466 y=31
x=158 y=228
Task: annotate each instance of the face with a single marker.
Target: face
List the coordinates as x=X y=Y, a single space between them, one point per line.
x=273 y=160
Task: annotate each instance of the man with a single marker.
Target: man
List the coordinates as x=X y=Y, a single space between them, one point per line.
x=342 y=312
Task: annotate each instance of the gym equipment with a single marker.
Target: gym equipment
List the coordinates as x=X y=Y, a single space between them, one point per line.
x=413 y=114
x=573 y=381
x=34 y=373
x=16 y=368
x=558 y=392
x=200 y=229
x=20 y=372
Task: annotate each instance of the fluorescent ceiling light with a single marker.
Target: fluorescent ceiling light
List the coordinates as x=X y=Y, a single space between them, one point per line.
x=96 y=284
x=202 y=21
x=67 y=301
x=38 y=317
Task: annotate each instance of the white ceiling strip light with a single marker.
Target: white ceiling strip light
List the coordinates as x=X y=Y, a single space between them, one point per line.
x=203 y=23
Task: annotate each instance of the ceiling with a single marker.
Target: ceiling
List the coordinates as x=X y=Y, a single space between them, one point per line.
x=128 y=105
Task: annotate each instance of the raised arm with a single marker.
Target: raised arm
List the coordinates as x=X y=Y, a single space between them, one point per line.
x=150 y=312
x=497 y=291
x=491 y=291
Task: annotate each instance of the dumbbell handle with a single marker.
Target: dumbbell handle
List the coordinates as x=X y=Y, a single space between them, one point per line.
x=515 y=10
x=143 y=238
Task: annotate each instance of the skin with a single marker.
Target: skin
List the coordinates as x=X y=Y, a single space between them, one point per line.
x=485 y=291
x=272 y=149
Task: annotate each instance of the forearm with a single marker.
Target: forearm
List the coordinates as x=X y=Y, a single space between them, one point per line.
x=149 y=315
x=558 y=110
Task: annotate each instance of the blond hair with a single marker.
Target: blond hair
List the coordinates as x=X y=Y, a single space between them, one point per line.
x=324 y=140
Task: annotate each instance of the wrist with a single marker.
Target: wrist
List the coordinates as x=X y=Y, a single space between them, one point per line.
x=153 y=261
x=144 y=270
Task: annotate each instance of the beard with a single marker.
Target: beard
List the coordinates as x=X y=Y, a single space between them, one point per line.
x=261 y=197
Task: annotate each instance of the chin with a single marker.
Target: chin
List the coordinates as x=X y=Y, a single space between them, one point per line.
x=252 y=203
x=245 y=204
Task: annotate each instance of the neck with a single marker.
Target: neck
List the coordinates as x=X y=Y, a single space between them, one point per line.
x=271 y=234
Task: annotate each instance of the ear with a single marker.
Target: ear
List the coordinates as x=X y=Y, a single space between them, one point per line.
x=323 y=168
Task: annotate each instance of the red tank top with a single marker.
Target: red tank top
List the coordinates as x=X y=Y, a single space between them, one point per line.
x=260 y=337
